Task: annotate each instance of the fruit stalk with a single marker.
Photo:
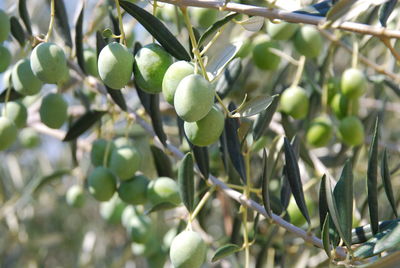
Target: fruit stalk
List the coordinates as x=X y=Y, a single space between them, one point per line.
x=51 y=24
x=299 y=72
x=121 y=26
x=201 y=204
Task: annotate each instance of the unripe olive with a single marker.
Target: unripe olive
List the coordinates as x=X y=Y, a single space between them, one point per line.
x=353 y=83
x=294 y=102
x=90 y=62
x=207 y=130
x=173 y=76
x=308 y=41
x=320 y=132
x=102 y=183
x=5 y=26
x=8 y=132
x=112 y=210
x=351 y=131
x=128 y=213
x=122 y=142
x=333 y=87
x=134 y=191
x=148 y=249
x=194 y=98
x=188 y=250
x=124 y=162
x=48 y=63
x=343 y=106
x=75 y=196
x=203 y=17
x=5 y=58
x=263 y=58
x=53 y=110
x=23 y=79
x=162 y=190
x=115 y=65
x=99 y=148
x=282 y=30
x=29 y=138
x=17 y=112
x=139 y=228
x=151 y=63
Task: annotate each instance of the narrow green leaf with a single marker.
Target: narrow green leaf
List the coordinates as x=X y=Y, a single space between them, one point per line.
x=389 y=261
x=202 y=160
x=47 y=179
x=322 y=205
x=157 y=29
x=62 y=21
x=118 y=98
x=186 y=181
x=14 y=95
x=216 y=26
x=227 y=81
x=156 y=119
x=160 y=207
x=385 y=10
x=372 y=177
x=293 y=175
x=82 y=124
x=319 y=9
x=218 y=61
x=115 y=24
x=264 y=119
x=162 y=162
x=325 y=236
x=286 y=192
x=387 y=183
x=254 y=106
x=275 y=152
x=225 y=251
x=265 y=185
x=363 y=233
x=343 y=193
x=389 y=241
x=253 y=24
x=144 y=97
x=17 y=31
x=23 y=13
x=79 y=39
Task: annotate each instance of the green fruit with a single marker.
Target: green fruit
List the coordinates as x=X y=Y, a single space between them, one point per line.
x=48 y=63
x=203 y=17
x=333 y=87
x=163 y=190
x=351 y=131
x=134 y=191
x=5 y=26
x=151 y=63
x=90 y=62
x=122 y=142
x=308 y=41
x=320 y=132
x=53 y=110
x=99 y=148
x=245 y=49
x=353 y=83
x=5 y=58
x=188 y=250
x=112 y=210
x=16 y=112
x=102 y=183
x=207 y=130
x=194 y=98
x=282 y=30
x=29 y=138
x=294 y=102
x=173 y=76
x=115 y=65
x=75 y=196
x=148 y=249
x=342 y=106
x=8 y=132
x=139 y=228
x=128 y=213
x=124 y=162
x=23 y=79
x=263 y=58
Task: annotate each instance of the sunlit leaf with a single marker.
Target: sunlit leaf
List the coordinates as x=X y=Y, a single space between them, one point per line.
x=225 y=251
x=186 y=181
x=372 y=180
x=387 y=183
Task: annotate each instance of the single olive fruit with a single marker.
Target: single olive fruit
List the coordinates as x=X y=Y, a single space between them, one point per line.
x=48 y=63
x=139 y=228
x=263 y=58
x=151 y=63
x=90 y=62
x=128 y=213
x=8 y=132
x=5 y=58
x=102 y=183
x=163 y=190
x=115 y=65
x=134 y=191
x=188 y=250
x=194 y=98
x=203 y=17
x=343 y=106
x=351 y=131
x=296 y=217
x=332 y=87
x=147 y=249
x=281 y=30
x=53 y=110
x=29 y=138
x=99 y=148
x=173 y=76
x=124 y=161
x=353 y=83
x=308 y=41
x=122 y=142
x=23 y=79
x=112 y=210
x=320 y=132
x=294 y=102
x=5 y=26
x=207 y=130
x=75 y=196
x=17 y=112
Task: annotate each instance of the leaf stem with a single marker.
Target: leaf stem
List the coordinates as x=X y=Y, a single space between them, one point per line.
x=51 y=24
x=354 y=59
x=201 y=204
x=299 y=72
x=121 y=26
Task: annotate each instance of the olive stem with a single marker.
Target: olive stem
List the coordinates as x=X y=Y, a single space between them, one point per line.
x=201 y=204
x=244 y=221
x=51 y=24
x=121 y=26
x=387 y=43
x=354 y=59
x=299 y=71
x=106 y=153
x=215 y=37
x=284 y=55
x=228 y=113
x=238 y=187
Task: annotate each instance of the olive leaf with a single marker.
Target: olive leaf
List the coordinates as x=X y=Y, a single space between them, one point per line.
x=79 y=39
x=385 y=173
x=226 y=82
x=156 y=119
x=363 y=233
x=186 y=181
x=160 y=207
x=325 y=236
x=225 y=251
x=385 y=10
x=83 y=123
x=162 y=162
x=23 y=13
x=217 y=25
x=202 y=160
x=265 y=185
x=254 y=106
x=264 y=119
x=17 y=31
x=62 y=21
x=252 y=24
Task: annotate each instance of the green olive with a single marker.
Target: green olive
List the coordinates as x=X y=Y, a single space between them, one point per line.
x=263 y=58
x=134 y=191
x=17 y=112
x=102 y=183
x=75 y=196
x=173 y=76
x=139 y=228
x=29 y=138
x=320 y=132
x=99 y=148
x=124 y=162
x=188 y=250
x=308 y=41
x=163 y=190
x=8 y=133
x=90 y=62
x=353 y=83
x=351 y=131
x=151 y=63
x=115 y=65
x=5 y=58
x=23 y=79
x=282 y=30
x=112 y=210
x=5 y=26
x=343 y=106
x=53 y=110
x=294 y=102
